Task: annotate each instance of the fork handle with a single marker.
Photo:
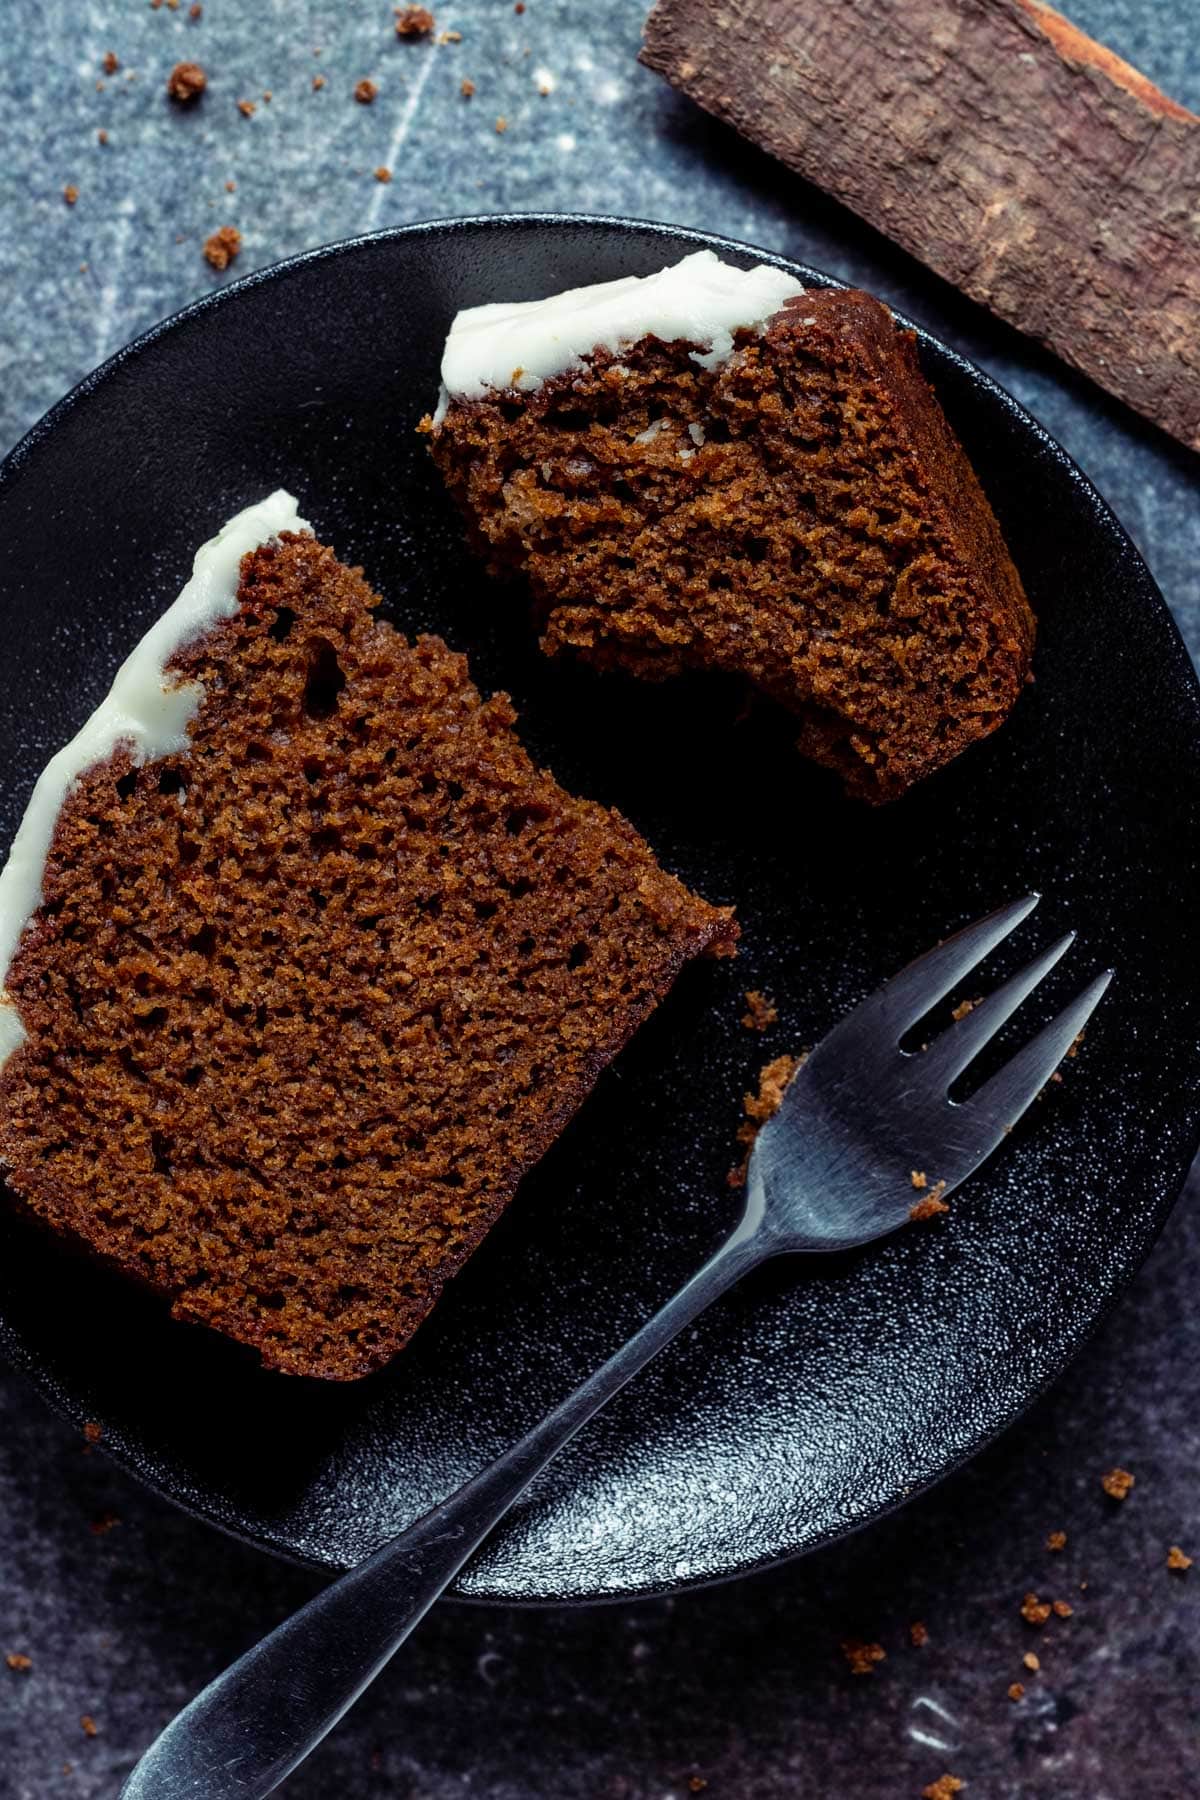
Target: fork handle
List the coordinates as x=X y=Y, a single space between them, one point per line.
x=249 y=1728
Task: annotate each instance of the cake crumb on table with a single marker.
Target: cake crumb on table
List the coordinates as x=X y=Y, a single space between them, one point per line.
x=861 y=1657
x=186 y=82
x=1057 y=1540
x=100 y=1527
x=918 y=1634
x=318 y=82
x=450 y=37
x=18 y=1662
x=102 y=136
x=919 y=1179
x=93 y=1431
x=760 y=1012
x=961 y=1011
x=1062 y=1609
x=383 y=174
x=195 y=10
x=231 y=187
x=247 y=108
x=70 y=193
x=88 y=1725
x=365 y=91
x=467 y=89
x=222 y=246
x=414 y=21
x=501 y=124
x=1035 y=1611
x=1177 y=1559
x=944 y=1788
x=1016 y=1690
x=1117 y=1483
x=1032 y=1660
x=110 y=62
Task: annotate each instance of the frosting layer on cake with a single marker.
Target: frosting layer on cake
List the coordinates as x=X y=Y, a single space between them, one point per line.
x=700 y=300
x=144 y=709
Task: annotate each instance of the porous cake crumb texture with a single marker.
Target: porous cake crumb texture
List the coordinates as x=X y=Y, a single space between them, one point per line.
x=801 y=516
x=305 y=1001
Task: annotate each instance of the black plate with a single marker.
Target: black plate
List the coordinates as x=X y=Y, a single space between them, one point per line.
x=821 y=1393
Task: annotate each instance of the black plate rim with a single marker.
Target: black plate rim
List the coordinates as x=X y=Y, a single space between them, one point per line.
x=1172 y=1180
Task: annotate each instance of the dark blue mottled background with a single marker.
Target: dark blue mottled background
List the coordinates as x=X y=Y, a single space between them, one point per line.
x=742 y=1686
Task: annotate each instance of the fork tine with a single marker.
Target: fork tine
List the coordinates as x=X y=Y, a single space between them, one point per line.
x=1002 y=1099
x=904 y=999
x=960 y=1043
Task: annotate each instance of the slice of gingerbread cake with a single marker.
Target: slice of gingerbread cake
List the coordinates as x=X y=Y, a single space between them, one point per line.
x=303 y=962
x=712 y=468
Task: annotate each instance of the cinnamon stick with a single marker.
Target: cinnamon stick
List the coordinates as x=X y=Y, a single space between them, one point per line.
x=1017 y=157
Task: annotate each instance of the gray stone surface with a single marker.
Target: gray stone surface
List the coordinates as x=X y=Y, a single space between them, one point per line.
x=742 y=1686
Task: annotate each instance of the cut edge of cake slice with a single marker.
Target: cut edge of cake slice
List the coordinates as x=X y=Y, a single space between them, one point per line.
x=713 y=468
x=306 y=963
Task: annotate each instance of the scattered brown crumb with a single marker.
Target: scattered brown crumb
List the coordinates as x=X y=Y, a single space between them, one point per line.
x=88 y=1724
x=231 y=187
x=944 y=1788
x=414 y=21
x=186 y=82
x=1016 y=1690
x=519 y=7
x=102 y=136
x=104 y=1524
x=1117 y=1483
x=1075 y=1043
x=382 y=174
x=501 y=124
x=172 y=5
x=92 y=1431
x=247 y=108
x=963 y=1008
x=1032 y=1661
x=70 y=193
x=1176 y=1558
x=318 y=82
x=221 y=248
x=1057 y=1540
x=1035 y=1611
x=919 y=1634
x=195 y=10
x=450 y=37
x=1063 y=1609
x=365 y=91
x=467 y=89
x=110 y=62
x=930 y=1206
x=18 y=1662
x=772 y=1082
x=696 y=1784
x=425 y=424
x=919 y=1178
x=862 y=1657
x=760 y=1012
x=267 y=96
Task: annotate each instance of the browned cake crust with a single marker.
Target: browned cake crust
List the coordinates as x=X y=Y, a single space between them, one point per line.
x=802 y=516
x=306 y=1001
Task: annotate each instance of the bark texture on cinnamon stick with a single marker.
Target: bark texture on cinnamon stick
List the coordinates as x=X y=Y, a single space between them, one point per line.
x=1017 y=157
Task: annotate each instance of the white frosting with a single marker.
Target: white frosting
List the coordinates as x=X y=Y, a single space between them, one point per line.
x=700 y=299
x=144 y=709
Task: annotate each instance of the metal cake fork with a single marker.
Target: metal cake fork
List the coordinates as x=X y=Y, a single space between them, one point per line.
x=831 y=1170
